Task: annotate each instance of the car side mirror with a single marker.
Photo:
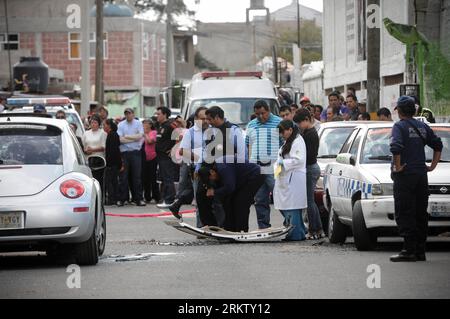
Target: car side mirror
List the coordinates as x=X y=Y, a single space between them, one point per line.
x=96 y=162
x=346 y=159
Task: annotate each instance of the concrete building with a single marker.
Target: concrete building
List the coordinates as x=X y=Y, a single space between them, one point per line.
x=248 y=43
x=134 y=50
x=345 y=44
x=289 y=14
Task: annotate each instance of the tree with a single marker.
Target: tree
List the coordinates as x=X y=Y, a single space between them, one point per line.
x=202 y=63
x=159 y=7
x=310 y=40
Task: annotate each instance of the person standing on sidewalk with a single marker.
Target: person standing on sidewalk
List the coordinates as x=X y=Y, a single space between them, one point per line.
x=304 y=120
x=94 y=141
x=113 y=162
x=409 y=173
x=263 y=141
x=149 y=179
x=131 y=133
x=164 y=145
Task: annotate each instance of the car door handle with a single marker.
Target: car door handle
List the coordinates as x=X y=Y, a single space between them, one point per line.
x=340 y=173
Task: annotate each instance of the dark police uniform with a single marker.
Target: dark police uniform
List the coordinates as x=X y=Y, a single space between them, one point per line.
x=411 y=193
x=167 y=168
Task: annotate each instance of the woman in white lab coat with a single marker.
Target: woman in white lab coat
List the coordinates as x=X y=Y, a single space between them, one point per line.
x=290 y=180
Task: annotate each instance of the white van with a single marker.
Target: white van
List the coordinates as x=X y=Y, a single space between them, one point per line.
x=234 y=92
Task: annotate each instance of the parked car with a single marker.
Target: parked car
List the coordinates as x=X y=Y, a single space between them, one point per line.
x=53 y=104
x=359 y=189
x=332 y=137
x=48 y=198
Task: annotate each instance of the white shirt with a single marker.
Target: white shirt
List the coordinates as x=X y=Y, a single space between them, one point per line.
x=95 y=140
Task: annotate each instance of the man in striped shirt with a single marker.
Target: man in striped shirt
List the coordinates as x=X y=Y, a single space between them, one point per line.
x=263 y=142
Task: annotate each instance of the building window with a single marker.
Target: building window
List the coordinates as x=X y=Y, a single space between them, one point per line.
x=11 y=44
x=75 y=46
x=145 y=46
x=181 y=50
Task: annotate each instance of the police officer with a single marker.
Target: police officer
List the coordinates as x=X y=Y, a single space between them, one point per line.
x=409 y=173
x=423 y=111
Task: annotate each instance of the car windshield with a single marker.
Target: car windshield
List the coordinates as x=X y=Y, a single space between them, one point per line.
x=376 y=148
x=237 y=111
x=444 y=134
x=332 y=140
x=30 y=145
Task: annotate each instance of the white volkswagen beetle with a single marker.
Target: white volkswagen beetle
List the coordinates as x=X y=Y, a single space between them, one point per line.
x=48 y=198
x=359 y=189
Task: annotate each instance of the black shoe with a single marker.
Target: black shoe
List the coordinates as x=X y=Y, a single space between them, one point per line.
x=175 y=209
x=404 y=256
x=140 y=203
x=120 y=203
x=421 y=257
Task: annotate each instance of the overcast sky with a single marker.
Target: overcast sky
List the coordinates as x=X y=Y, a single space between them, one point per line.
x=234 y=10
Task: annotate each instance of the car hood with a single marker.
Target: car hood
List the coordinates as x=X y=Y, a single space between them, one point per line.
x=382 y=173
x=27 y=179
x=379 y=172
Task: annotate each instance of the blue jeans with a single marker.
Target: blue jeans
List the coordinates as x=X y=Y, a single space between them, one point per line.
x=294 y=217
x=262 y=202
x=312 y=176
x=133 y=164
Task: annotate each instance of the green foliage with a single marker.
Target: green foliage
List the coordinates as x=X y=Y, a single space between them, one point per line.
x=202 y=63
x=310 y=41
x=159 y=7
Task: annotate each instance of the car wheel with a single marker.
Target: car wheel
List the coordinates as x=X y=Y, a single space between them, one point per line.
x=101 y=240
x=337 y=232
x=87 y=252
x=325 y=219
x=365 y=239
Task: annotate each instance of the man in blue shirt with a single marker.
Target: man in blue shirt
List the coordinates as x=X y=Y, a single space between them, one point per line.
x=131 y=133
x=409 y=173
x=263 y=142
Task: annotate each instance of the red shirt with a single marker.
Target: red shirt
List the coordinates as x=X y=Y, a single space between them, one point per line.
x=150 y=151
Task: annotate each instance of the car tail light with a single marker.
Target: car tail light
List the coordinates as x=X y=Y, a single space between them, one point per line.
x=81 y=210
x=72 y=189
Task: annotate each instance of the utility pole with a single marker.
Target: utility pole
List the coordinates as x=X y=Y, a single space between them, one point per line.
x=85 y=59
x=11 y=80
x=373 y=61
x=170 y=61
x=99 y=53
x=298 y=23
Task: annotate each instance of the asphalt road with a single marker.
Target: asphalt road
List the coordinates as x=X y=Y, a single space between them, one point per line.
x=176 y=265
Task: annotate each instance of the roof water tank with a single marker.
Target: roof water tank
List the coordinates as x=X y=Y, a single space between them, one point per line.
x=31 y=75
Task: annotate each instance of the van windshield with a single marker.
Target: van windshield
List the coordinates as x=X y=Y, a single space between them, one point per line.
x=237 y=111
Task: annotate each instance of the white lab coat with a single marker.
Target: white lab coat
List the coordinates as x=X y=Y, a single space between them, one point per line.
x=290 y=186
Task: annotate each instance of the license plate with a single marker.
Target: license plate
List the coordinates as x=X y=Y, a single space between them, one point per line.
x=11 y=220
x=440 y=210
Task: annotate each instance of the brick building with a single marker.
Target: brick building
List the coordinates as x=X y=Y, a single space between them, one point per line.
x=134 y=50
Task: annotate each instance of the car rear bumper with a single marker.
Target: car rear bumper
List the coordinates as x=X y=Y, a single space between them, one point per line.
x=379 y=212
x=49 y=222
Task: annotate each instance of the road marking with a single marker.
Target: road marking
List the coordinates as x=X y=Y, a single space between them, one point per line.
x=154 y=215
